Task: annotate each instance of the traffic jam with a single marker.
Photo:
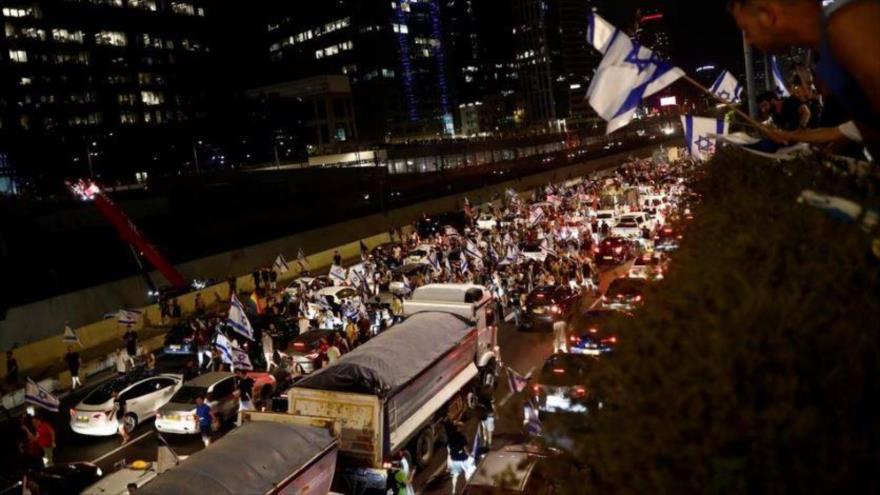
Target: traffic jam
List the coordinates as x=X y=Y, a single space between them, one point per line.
x=378 y=364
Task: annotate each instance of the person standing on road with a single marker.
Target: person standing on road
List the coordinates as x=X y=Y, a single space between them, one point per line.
x=458 y=457
x=45 y=438
x=130 y=338
x=73 y=363
x=120 y=361
x=487 y=421
x=120 y=418
x=245 y=391
x=268 y=351
x=559 y=328
x=204 y=418
x=403 y=475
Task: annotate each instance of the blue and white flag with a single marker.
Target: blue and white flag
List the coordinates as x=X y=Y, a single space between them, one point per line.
x=464 y=264
x=301 y=260
x=224 y=346
x=702 y=135
x=547 y=249
x=515 y=381
x=280 y=264
x=727 y=88
x=536 y=216
x=70 y=336
x=472 y=250
x=238 y=320
x=765 y=147
x=127 y=316
x=241 y=360
x=35 y=394
x=628 y=73
x=532 y=419
x=778 y=80
x=599 y=32
x=434 y=262
x=337 y=275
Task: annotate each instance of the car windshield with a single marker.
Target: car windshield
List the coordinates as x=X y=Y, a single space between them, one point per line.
x=188 y=394
x=628 y=222
x=100 y=395
x=604 y=216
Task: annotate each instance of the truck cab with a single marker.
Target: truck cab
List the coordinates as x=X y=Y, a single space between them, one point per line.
x=472 y=302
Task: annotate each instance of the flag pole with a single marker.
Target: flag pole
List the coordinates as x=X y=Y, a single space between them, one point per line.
x=733 y=107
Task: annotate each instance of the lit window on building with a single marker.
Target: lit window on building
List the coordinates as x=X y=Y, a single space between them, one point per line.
x=152 y=98
x=110 y=3
x=111 y=38
x=183 y=8
x=19 y=12
x=400 y=28
x=143 y=4
x=388 y=73
x=349 y=69
x=65 y=36
x=24 y=81
x=19 y=56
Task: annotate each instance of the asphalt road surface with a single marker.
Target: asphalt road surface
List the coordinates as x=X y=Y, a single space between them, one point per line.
x=524 y=351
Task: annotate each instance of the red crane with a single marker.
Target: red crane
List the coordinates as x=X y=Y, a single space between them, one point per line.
x=87 y=190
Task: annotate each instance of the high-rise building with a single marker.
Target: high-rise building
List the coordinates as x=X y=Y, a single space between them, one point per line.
x=79 y=75
x=651 y=30
x=555 y=62
x=392 y=51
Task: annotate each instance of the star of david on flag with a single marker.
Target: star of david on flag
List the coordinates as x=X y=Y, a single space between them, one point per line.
x=35 y=394
x=727 y=88
x=628 y=73
x=701 y=135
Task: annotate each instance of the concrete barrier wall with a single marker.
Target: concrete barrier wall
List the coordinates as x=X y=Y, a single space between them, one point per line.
x=36 y=328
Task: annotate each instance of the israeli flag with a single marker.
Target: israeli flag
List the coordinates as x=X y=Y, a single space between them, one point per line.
x=628 y=73
x=224 y=346
x=515 y=381
x=727 y=88
x=781 y=88
x=536 y=216
x=432 y=259
x=465 y=265
x=241 y=360
x=532 y=419
x=765 y=147
x=472 y=250
x=35 y=394
x=70 y=336
x=127 y=316
x=301 y=260
x=238 y=319
x=702 y=135
x=337 y=274
x=599 y=32
x=546 y=249
x=281 y=265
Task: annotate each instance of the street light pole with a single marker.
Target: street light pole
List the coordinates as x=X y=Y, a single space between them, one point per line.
x=750 y=76
x=89 y=161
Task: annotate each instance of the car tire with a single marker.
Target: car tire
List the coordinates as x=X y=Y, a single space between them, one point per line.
x=129 y=422
x=423 y=447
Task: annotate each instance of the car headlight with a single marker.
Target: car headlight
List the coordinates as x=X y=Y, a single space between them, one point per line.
x=99 y=472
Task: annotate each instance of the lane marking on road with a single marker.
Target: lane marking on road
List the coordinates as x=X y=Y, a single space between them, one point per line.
x=122 y=447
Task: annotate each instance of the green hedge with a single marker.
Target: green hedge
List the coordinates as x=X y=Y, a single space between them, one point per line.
x=754 y=367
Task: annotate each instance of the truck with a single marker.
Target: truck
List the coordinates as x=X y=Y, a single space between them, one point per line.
x=393 y=393
x=475 y=304
x=265 y=455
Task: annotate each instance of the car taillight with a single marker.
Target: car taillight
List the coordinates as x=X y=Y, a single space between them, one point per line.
x=536 y=389
x=637 y=298
x=593 y=330
x=298 y=345
x=618 y=250
x=612 y=339
x=559 y=370
x=555 y=309
x=573 y=338
x=580 y=392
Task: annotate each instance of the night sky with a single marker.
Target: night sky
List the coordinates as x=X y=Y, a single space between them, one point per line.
x=702 y=31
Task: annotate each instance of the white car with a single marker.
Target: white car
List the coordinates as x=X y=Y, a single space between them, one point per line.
x=95 y=415
x=486 y=222
x=630 y=225
x=607 y=216
x=335 y=295
x=179 y=415
x=418 y=255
